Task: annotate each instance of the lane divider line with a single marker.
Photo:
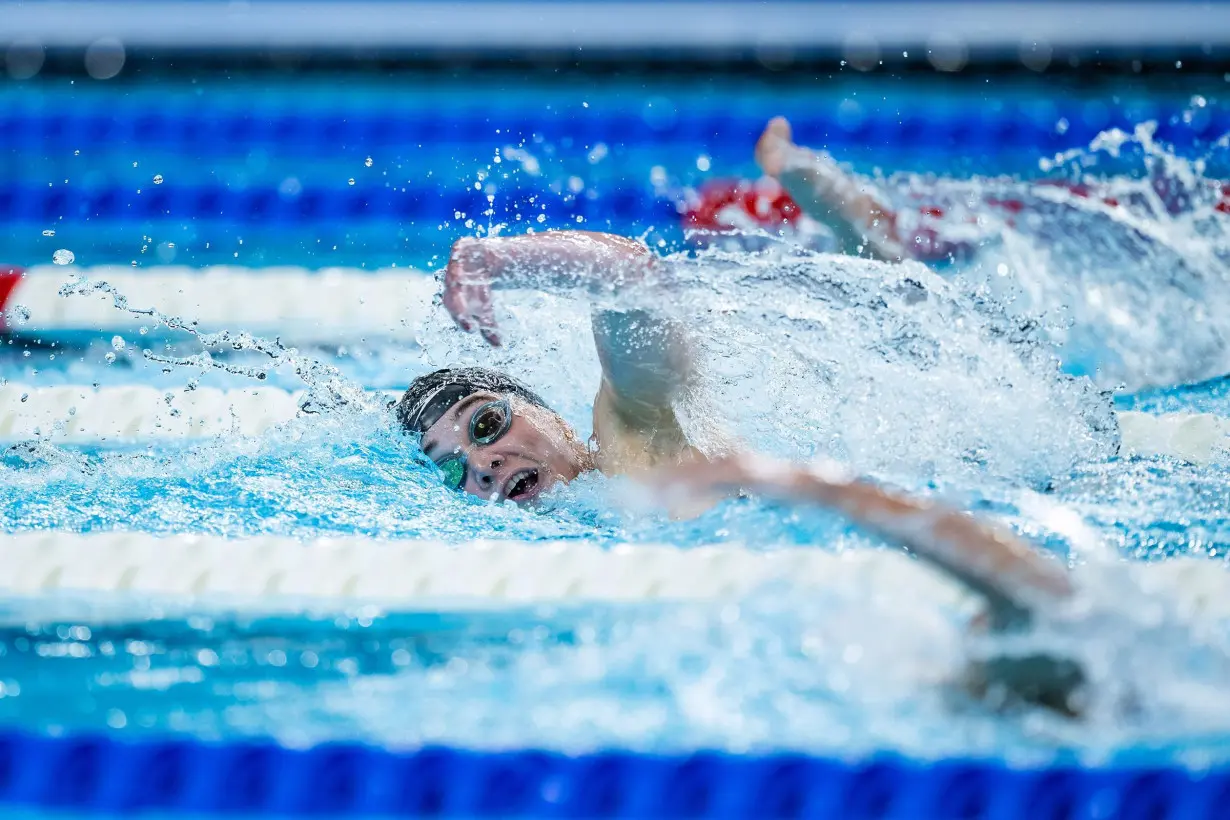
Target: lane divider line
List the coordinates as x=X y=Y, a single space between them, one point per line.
x=298 y=304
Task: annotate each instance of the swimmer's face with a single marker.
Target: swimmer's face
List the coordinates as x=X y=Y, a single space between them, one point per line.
x=537 y=451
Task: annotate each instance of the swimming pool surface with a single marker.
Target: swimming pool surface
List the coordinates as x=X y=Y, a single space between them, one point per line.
x=993 y=385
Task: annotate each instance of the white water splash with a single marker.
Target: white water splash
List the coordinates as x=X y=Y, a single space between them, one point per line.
x=890 y=368
x=327 y=388
x=1130 y=270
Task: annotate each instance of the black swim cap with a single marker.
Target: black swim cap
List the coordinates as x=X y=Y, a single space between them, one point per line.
x=429 y=397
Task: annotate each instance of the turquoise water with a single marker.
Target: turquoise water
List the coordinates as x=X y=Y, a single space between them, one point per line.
x=992 y=388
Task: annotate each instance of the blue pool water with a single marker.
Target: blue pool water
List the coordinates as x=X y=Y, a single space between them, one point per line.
x=995 y=389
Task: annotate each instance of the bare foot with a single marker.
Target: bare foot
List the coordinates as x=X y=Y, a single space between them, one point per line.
x=773 y=145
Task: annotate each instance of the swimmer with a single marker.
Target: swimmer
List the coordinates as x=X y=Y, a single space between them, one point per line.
x=862 y=223
x=850 y=207
x=493 y=437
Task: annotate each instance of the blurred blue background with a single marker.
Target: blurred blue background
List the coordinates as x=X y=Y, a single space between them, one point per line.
x=322 y=134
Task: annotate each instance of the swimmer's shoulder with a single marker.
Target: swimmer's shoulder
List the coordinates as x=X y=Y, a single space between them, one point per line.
x=625 y=446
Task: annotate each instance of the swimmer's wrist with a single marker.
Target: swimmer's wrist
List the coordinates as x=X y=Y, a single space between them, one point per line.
x=479 y=261
x=558 y=262
x=470 y=255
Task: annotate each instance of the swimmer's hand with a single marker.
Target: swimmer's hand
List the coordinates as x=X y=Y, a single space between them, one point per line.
x=467 y=289
x=993 y=562
x=560 y=262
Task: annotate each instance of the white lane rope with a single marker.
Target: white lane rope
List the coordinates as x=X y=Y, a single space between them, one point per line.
x=413 y=573
x=75 y=414
x=279 y=572
x=138 y=413
x=328 y=305
x=1195 y=437
x=135 y=413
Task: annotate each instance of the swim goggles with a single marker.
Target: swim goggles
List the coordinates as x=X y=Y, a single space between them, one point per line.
x=488 y=423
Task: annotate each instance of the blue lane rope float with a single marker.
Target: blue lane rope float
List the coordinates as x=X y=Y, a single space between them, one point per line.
x=307 y=132
x=95 y=773
x=31 y=203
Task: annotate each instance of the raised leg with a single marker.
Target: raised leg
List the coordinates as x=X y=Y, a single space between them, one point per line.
x=851 y=207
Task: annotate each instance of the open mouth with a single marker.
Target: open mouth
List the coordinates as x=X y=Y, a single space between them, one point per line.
x=521 y=485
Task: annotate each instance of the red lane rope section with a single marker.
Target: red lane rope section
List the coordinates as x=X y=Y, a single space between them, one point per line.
x=730 y=205
x=10 y=275
x=764 y=203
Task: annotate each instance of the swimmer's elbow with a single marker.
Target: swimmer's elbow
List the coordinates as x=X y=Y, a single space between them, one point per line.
x=618 y=257
x=645 y=360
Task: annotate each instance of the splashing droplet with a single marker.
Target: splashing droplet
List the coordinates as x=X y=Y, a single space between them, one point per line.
x=157 y=179
x=63 y=257
x=597 y=153
x=368 y=162
x=118 y=343
x=110 y=357
x=49 y=232
x=18 y=315
x=351 y=180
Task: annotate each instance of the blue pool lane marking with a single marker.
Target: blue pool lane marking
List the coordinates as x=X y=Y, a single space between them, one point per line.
x=101 y=774
x=925 y=124
x=315 y=205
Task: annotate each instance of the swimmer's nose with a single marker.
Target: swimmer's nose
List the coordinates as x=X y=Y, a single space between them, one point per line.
x=485 y=472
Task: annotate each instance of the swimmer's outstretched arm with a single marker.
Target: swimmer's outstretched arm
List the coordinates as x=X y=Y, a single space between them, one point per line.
x=1010 y=575
x=849 y=206
x=645 y=358
x=1000 y=567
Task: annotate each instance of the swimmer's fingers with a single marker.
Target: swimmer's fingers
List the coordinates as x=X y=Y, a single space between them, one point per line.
x=458 y=300
x=484 y=314
x=454 y=303
x=453 y=295
x=467 y=297
x=471 y=308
